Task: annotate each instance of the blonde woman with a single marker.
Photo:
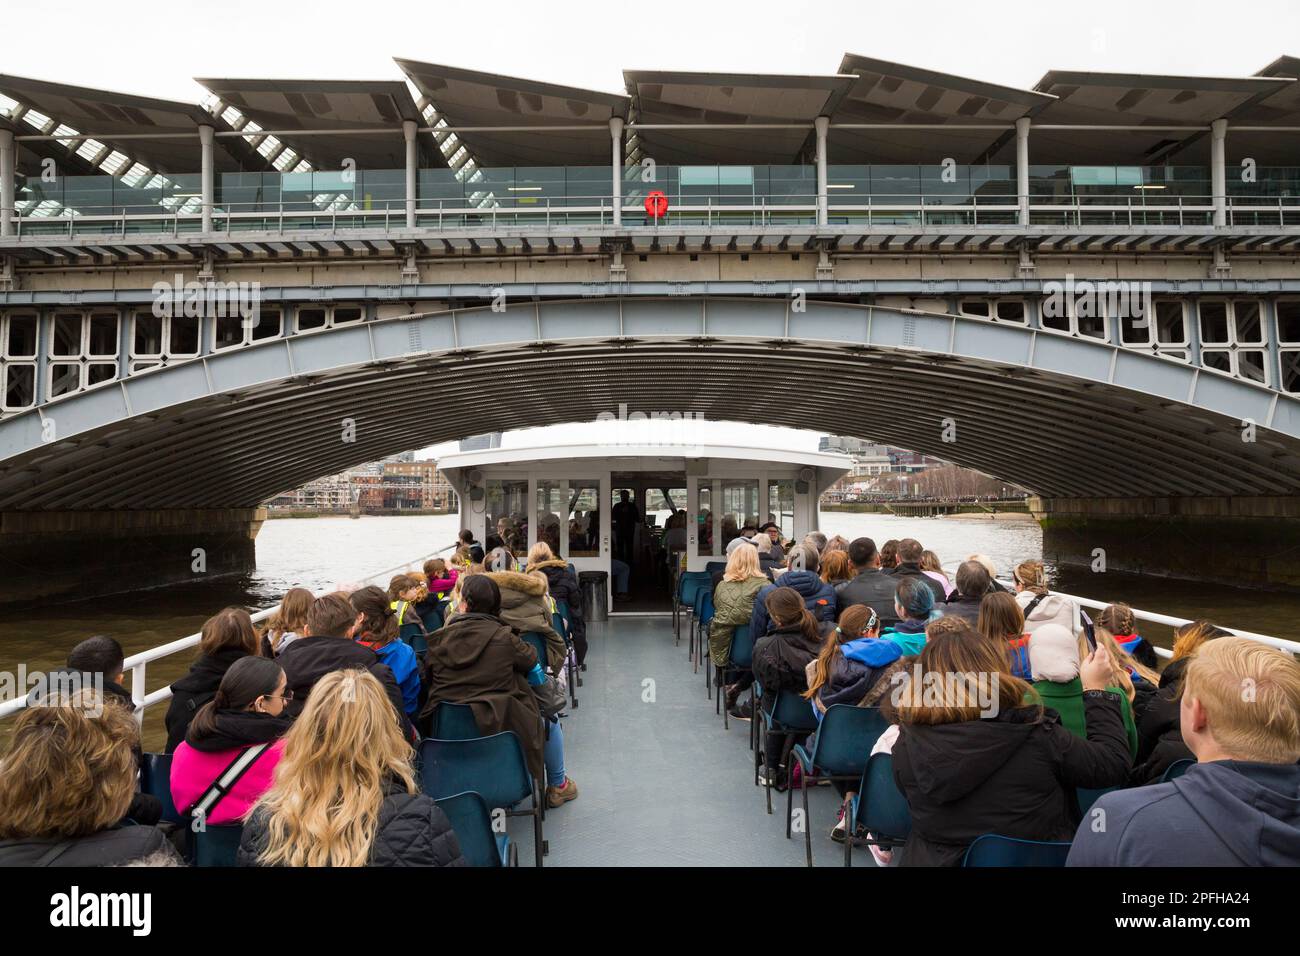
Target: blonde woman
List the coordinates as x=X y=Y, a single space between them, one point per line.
x=733 y=602
x=1039 y=605
x=345 y=792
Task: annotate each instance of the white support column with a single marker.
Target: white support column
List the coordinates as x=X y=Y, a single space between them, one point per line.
x=616 y=166
x=409 y=128
x=207 y=174
x=8 y=163
x=821 y=124
x=1022 y=168
x=1218 y=171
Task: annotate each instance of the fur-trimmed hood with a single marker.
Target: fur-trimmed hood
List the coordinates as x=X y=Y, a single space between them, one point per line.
x=517 y=581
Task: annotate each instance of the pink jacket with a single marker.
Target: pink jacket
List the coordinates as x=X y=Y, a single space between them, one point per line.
x=193 y=771
x=442 y=585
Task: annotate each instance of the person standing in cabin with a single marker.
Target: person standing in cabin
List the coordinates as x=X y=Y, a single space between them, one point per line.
x=226 y=637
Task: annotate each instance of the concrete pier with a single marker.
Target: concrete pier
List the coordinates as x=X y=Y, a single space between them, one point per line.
x=1242 y=541
x=70 y=554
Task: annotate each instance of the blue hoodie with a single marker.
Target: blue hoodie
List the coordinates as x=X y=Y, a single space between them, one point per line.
x=818 y=597
x=909 y=635
x=1221 y=813
x=401 y=660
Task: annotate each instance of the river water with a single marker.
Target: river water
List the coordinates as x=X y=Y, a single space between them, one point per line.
x=322 y=552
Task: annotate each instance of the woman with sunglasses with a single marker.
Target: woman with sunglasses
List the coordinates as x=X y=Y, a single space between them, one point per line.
x=239 y=734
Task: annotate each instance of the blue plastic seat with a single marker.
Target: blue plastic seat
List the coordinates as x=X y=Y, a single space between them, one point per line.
x=561 y=622
x=740 y=658
x=1176 y=769
x=216 y=846
x=413 y=634
x=880 y=807
x=156 y=778
x=844 y=741
x=688 y=583
x=994 y=850
x=472 y=821
x=453 y=722
x=1088 y=797
x=493 y=767
x=789 y=714
x=538 y=643
x=434 y=616
x=701 y=614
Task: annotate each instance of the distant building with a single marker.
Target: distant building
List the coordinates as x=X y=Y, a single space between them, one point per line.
x=397 y=483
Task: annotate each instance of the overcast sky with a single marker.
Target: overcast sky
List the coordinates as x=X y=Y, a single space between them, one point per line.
x=158 y=51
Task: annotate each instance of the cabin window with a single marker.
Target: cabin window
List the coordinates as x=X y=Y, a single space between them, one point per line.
x=584 y=518
x=550 y=505
x=739 y=507
x=507 y=515
x=780 y=506
x=704 y=528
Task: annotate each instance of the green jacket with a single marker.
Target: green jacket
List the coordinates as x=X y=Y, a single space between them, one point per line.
x=1067 y=700
x=733 y=606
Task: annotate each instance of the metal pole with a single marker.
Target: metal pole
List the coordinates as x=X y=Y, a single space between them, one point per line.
x=820 y=125
x=207 y=174
x=1022 y=168
x=1218 y=171
x=616 y=166
x=8 y=154
x=412 y=169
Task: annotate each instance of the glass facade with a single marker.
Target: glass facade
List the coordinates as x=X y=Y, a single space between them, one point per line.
x=584 y=518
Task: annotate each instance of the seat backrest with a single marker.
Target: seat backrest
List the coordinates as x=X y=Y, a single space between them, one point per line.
x=433 y=617
x=1088 y=797
x=994 y=850
x=494 y=767
x=562 y=609
x=688 y=585
x=216 y=846
x=713 y=566
x=413 y=635
x=538 y=643
x=1176 y=769
x=472 y=821
x=156 y=778
x=846 y=737
x=453 y=722
x=742 y=646
x=792 y=712
x=881 y=806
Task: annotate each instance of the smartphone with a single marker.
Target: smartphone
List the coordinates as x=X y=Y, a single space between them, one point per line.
x=1088 y=631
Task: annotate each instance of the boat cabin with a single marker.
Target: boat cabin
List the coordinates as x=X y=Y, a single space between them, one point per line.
x=638 y=513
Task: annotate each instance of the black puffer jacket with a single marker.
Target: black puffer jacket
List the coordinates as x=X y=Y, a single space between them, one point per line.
x=1159 y=727
x=781 y=660
x=413 y=831
x=872 y=586
x=117 y=846
x=308 y=659
x=194 y=690
x=563 y=585
x=1014 y=774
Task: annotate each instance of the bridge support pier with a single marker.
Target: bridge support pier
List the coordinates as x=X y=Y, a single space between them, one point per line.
x=1241 y=541
x=67 y=555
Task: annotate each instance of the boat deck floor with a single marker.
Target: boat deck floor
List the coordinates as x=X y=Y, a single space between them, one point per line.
x=660 y=782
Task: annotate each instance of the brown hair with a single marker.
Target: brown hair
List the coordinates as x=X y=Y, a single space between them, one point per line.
x=950 y=625
x=290 y=616
x=380 y=624
x=1189 y=637
x=435 y=568
x=786 y=607
x=70 y=770
x=400 y=583
x=837 y=543
x=1118 y=619
x=930 y=562
x=331 y=615
x=837 y=567
x=889 y=554
x=852 y=621
x=910 y=551
x=229 y=628
x=1031 y=576
x=956 y=658
x=1000 y=617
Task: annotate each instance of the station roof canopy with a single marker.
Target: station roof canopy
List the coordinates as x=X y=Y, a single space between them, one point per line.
x=323 y=105
x=105 y=115
x=467 y=98
x=885 y=92
x=747 y=99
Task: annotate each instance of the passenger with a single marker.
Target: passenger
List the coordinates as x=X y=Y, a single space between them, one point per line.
x=1039 y=605
x=468 y=540
x=247 y=712
x=1120 y=623
x=1237 y=806
x=909 y=566
x=933 y=568
x=835 y=677
x=1001 y=619
x=818 y=596
x=781 y=662
x=889 y=555
x=440 y=578
x=327 y=646
x=836 y=543
x=733 y=603
x=972 y=761
x=770 y=556
x=871 y=585
x=914 y=609
x=226 y=637
x=773 y=532
x=68 y=779
x=379 y=632
x=1160 y=739
x=285 y=625
x=1054 y=660
x=523 y=606
x=972 y=585
x=837 y=569
x=479 y=660
x=562 y=584
x=990 y=567
x=815 y=540
x=345 y=791
x=405 y=593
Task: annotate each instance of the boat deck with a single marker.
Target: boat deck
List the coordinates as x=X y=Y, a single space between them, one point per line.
x=660 y=782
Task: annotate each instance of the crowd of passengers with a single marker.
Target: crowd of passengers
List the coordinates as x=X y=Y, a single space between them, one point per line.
x=323 y=708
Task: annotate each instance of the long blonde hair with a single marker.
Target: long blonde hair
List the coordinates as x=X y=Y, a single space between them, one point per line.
x=1122 y=663
x=742 y=564
x=345 y=747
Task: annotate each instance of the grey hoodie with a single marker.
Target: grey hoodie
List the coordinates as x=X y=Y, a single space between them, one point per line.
x=1223 y=813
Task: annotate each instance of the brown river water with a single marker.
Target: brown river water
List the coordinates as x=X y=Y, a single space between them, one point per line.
x=322 y=552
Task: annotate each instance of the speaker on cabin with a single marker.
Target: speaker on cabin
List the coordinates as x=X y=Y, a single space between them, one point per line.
x=801 y=487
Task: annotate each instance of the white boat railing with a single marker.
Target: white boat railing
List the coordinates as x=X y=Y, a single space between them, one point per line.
x=137 y=665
